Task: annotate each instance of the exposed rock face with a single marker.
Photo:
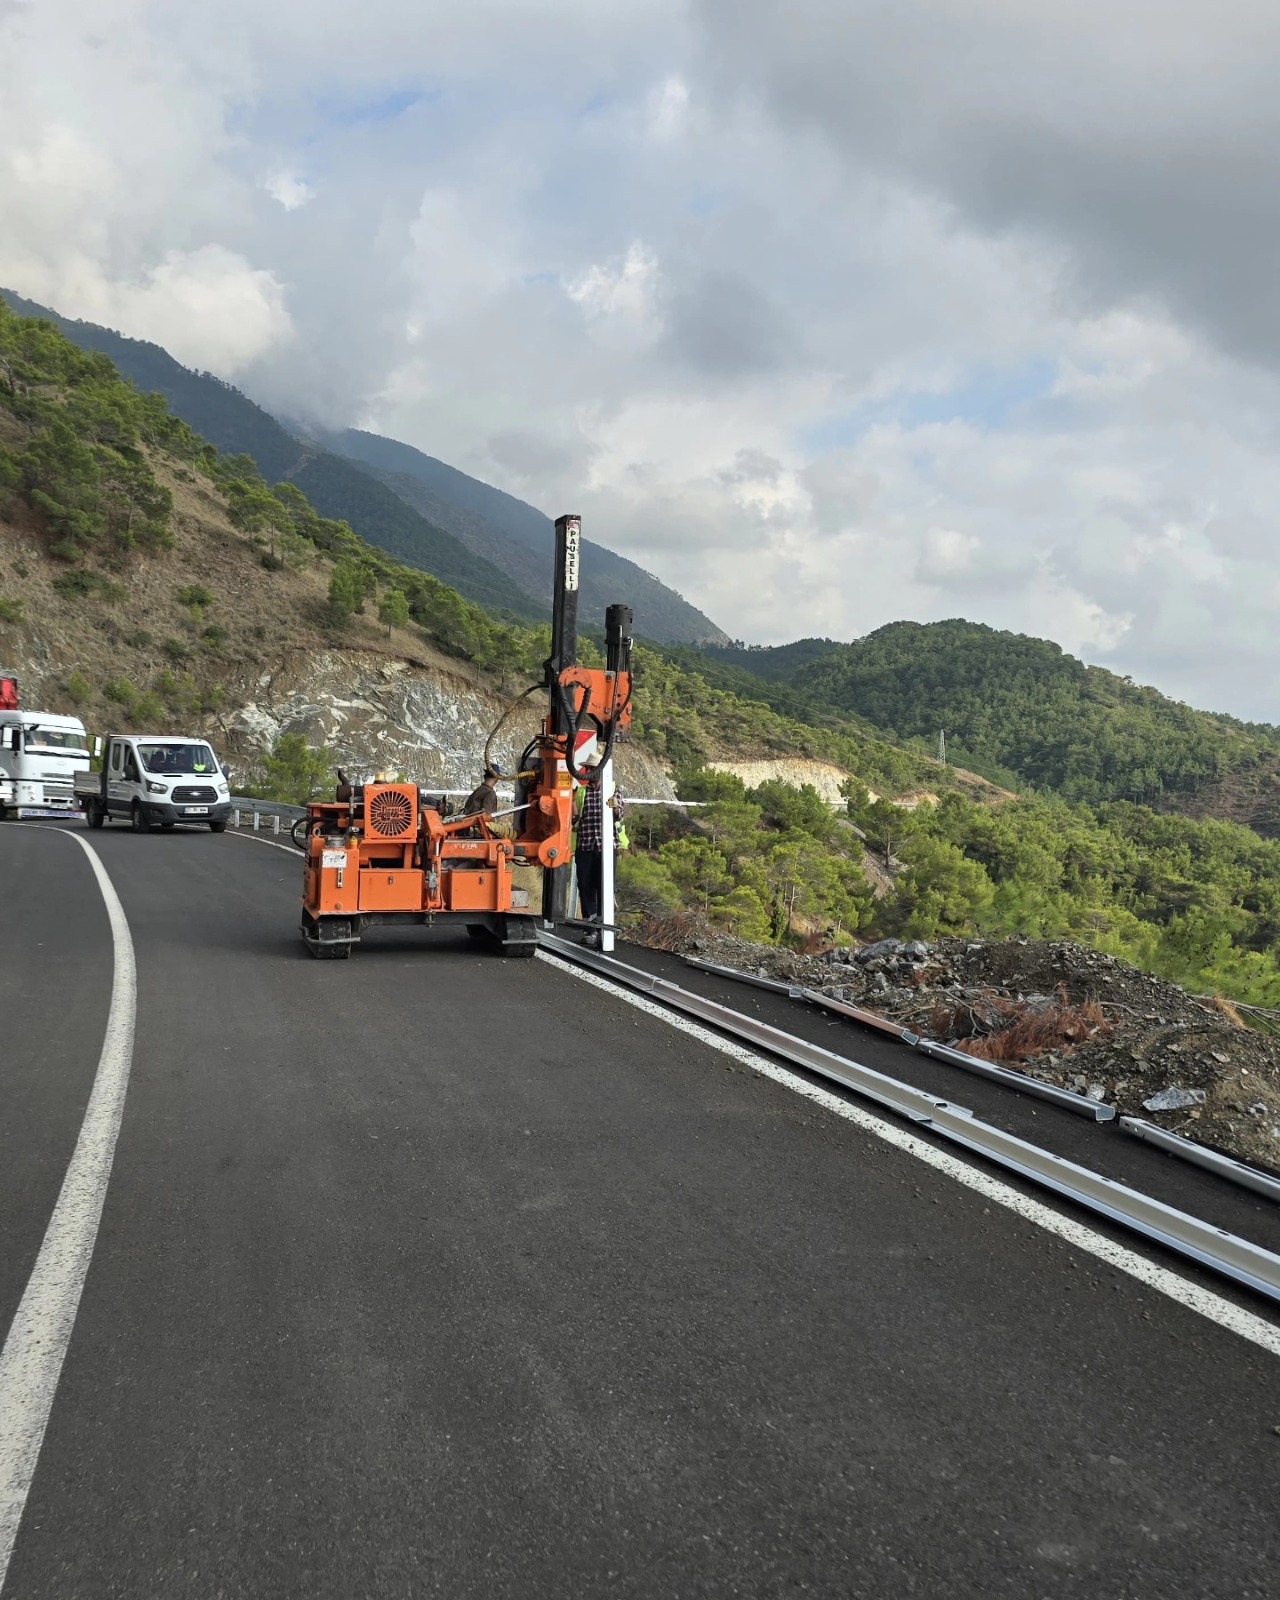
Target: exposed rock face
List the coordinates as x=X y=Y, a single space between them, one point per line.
x=378 y=714
x=824 y=776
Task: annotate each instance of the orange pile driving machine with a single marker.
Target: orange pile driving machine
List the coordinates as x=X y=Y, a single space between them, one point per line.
x=387 y=854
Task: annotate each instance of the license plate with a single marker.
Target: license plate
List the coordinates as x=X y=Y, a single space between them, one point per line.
x=196 y=811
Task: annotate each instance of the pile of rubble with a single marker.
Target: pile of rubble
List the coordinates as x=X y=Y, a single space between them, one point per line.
x=1059 y=1012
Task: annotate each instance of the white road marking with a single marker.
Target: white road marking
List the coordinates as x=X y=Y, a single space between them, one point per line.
x=31 y=1361
x=1227 y=1315
x=256 y=838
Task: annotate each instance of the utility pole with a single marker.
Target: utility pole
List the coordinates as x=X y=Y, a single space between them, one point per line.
x=942 y=746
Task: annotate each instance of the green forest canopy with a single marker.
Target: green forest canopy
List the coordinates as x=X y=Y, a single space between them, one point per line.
x=1016 y=709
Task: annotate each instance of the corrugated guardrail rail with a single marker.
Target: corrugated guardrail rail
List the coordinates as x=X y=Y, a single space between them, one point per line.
x=1215 y=1248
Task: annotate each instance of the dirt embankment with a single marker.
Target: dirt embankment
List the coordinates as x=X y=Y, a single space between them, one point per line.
x=1059 y=1012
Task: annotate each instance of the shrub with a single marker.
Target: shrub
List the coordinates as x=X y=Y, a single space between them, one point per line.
x=148 y=710
x=78 y=688
x=215 y=635
x=272 y=563
x=139 y=639
x=81 y=583
x=120 y=692
x=176 y=649
x=295 y=771
x=196 y=595
x=12 y=610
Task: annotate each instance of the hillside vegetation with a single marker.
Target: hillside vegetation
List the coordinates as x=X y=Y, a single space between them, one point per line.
x=480 y=541
x=1023 y=712
x=515 y=536
x=145 y=579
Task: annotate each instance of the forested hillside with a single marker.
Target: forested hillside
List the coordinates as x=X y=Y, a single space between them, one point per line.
x=1023 y=712
x=224 y=417
x=509 y=532
x=480 y=541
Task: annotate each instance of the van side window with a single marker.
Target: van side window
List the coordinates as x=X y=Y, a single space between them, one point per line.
x=130 y=767
x=117 y=755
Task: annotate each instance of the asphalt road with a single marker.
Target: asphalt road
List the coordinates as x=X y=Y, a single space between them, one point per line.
x=429 y=1274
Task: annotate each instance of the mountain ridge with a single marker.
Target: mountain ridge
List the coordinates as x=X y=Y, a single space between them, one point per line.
x=476 y=511
x=451 y=539
x=1022 y=711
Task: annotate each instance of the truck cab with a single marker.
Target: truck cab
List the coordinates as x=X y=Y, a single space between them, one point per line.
x=156 y=780
x=41 y=754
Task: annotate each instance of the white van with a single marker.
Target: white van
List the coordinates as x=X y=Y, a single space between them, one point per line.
x=157 y=779
x=40 y=755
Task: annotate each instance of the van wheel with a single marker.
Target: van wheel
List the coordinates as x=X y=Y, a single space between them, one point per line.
x=218 y=825
x=139 y=819
x=93 y=814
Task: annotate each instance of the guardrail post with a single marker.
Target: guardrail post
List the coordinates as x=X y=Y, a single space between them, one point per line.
x=235 y=817
x=257 y=819
x=275 y=823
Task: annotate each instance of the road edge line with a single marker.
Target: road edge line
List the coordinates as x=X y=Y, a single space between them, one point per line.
x=1193 y=1296
x=35 y=1346
x=275 y=844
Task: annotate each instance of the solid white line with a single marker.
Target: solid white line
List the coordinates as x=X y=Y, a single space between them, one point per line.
x=31 y=1361
x=1226 y=1314
x=255 y=838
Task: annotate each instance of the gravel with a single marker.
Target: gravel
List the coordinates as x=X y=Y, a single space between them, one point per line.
x=1116 y=1034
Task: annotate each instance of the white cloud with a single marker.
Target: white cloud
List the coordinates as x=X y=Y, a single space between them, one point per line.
x=208 y=307
x=668 y=108
x=620 y=296
x=289 y=190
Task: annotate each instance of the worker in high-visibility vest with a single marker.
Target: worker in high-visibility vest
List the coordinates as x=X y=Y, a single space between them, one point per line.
x=588 y=839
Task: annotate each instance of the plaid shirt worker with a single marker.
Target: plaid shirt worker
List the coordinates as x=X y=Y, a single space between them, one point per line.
x=591 y=819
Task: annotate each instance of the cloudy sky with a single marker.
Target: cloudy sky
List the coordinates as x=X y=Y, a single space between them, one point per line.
x=830 y=313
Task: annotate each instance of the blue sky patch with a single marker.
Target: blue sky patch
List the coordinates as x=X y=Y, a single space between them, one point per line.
x=987 y=398
x=369 y=113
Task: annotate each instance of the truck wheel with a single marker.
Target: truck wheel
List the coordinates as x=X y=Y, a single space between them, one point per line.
x=139 y=819
x=93 y=814
x=218 y=825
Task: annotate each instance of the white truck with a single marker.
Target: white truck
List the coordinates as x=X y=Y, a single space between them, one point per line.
x=156 y=779
x=41 y=754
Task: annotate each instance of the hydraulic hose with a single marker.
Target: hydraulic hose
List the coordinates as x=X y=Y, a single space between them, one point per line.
x=497 y=727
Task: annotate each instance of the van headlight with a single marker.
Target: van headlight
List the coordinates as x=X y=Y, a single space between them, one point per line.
x=155 y=788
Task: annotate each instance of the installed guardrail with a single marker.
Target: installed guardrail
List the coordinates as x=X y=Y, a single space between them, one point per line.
x=1189 y=1236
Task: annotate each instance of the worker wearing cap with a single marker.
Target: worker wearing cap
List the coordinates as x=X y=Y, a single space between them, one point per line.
x=588 y=851
x=484 y=797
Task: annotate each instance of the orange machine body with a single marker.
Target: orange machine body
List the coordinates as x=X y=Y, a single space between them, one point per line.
x=387 y=854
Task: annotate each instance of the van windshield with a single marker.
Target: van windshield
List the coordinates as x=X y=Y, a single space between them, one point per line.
x=56 y=739
x=173 y=758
